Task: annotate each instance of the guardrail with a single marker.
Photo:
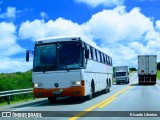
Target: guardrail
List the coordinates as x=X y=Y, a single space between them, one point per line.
x=14 y=92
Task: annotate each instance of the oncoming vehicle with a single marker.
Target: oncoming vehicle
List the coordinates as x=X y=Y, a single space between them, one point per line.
x=69 y=66
x=121 y=74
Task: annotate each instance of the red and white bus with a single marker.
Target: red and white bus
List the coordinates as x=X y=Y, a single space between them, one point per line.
x=69 y=66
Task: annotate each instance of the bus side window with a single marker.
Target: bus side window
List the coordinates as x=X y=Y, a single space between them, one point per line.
x=100 y=56
x=96 y=54
x=104 y=58
x=88 y=47
x=111 y=61
x=107 y=60
x=91 y=50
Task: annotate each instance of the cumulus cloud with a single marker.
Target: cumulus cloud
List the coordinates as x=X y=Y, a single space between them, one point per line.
x=158 y=25
x=14 y=65
x=10 y=13
x=109 y=25
x=119 y=25
x=44 y=15
x=8 y=48
x=39 y=28
x=8 y=39
x=8 y=44
x=122 y=34
x=95 y=3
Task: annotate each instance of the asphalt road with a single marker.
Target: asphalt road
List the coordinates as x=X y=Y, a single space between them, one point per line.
x=124 y=101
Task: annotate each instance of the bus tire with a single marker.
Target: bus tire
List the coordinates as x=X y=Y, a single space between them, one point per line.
x=107 y=89
x=90 y=96
x=52 y=99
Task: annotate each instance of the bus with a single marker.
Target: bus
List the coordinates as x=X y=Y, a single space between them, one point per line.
x=69 y=66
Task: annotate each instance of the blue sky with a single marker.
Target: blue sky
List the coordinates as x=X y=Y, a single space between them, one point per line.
x=123 y=28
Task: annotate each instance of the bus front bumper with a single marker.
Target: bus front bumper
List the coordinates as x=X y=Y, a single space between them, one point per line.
x=77 y=91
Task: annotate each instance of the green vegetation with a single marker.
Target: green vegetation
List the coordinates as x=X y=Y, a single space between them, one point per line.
x=132 y=69
x=14 y=81
x=18 y=100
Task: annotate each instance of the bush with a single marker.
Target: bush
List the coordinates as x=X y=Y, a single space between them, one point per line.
x=14 y=81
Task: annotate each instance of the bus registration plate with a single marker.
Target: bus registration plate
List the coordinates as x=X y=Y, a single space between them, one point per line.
x=57 y=92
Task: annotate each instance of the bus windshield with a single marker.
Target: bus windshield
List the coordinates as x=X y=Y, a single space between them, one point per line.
x=57 y=56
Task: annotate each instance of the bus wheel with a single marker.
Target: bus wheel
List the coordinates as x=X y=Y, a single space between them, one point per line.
x=107 y=89
x=90 y=96
x=52 y=99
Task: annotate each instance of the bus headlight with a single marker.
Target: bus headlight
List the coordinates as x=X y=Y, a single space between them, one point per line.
x=38 y=85
x=75 y=83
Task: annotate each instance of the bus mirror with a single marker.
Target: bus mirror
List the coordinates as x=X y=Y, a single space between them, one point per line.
x=27 y=56
x=86 y=53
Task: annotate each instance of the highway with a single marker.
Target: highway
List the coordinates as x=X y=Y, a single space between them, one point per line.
x=121 y=103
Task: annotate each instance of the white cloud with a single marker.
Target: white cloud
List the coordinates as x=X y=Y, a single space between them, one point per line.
x=122 y=34
x=119 y=25
x=8 y=39
x=14 y=65
x=10 y=13
x=44 y=15
x=8 y=48
x=158 y=25
x=95 y=3
x=39 y=29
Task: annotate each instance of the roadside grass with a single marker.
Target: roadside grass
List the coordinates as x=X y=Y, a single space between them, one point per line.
x=14 y=102
x=17 y=99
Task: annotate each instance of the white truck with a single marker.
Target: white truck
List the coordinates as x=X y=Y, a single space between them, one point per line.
x=147 y=69
x=121 y=74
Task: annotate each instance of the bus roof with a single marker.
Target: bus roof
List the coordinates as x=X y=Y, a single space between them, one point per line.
x=68 y=38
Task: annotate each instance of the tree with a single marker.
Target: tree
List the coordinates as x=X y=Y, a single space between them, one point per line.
x=133 y=69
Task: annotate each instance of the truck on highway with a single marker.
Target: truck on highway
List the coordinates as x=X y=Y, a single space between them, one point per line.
x=121 y=74
x=147 y=69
